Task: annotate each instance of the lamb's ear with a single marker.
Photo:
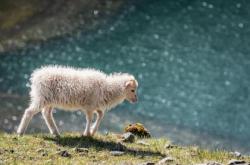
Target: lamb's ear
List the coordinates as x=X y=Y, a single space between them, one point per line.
x=129 y=83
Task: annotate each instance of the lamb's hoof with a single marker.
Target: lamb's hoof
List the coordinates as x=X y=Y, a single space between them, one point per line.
x=19 y=134
x=57 y=136
x=92 y=133
x=86 y=134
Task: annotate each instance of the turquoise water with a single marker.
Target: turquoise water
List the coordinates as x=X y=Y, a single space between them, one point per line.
x=191 y=58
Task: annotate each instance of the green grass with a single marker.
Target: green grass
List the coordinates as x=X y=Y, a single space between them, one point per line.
x=43 y=149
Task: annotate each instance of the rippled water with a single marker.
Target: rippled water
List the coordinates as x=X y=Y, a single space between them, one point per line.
x=192 y=60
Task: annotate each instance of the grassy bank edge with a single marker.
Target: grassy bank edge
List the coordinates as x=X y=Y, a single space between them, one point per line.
x=46 y=149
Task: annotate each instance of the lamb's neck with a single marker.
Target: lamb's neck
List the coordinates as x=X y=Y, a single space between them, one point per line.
x=115 y=92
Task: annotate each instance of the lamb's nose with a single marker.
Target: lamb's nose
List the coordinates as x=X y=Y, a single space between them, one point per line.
x=135 y=99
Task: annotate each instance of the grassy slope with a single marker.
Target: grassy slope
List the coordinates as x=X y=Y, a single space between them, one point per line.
x=43 y=149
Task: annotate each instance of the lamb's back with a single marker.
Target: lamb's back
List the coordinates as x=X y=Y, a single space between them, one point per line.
x=66 y=74
x=54 y=83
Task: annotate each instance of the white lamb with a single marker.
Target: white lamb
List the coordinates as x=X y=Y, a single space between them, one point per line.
x=88 y=90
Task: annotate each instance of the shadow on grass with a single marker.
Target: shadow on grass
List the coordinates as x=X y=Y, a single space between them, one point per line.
x=98 y=144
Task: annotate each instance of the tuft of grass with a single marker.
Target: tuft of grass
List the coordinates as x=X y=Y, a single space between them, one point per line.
x=45 y=149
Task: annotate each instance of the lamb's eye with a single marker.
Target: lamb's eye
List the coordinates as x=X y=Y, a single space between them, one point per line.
x=132 y=90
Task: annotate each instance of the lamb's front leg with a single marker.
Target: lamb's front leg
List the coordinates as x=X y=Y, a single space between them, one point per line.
x=96 y=125
x=89 y=117
x=49 y=119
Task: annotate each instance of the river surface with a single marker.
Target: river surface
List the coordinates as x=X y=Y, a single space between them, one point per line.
x=191 y=58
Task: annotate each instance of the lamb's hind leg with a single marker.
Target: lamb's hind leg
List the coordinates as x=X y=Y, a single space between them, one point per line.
x=89 y=117
x=96 y=125
x=27 y=116
x=48 y=117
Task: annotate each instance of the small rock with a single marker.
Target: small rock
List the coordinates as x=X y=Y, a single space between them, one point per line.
x=165 y=160
x=86 y=150
x=142 y=143
x=128 y=137
x=64 y=153
x=42 y=151
x=147 y=163
x=117 y=153
x=168 y=146
x=236 y=153
x=48 y=161
x=213 y=163
x=120 y=147
x=1 y=151
x=237 y=162
x=45 y=154
x=210 y=163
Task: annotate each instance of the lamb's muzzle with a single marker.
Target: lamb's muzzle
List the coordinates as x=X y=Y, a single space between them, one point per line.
x=88 y=90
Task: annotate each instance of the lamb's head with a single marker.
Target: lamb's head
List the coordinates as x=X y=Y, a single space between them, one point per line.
x=130 y=90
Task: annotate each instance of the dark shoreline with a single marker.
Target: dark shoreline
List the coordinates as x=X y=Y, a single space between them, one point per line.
x=42 y=20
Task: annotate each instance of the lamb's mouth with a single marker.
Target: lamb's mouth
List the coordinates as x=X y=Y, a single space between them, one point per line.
x=133 y=100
